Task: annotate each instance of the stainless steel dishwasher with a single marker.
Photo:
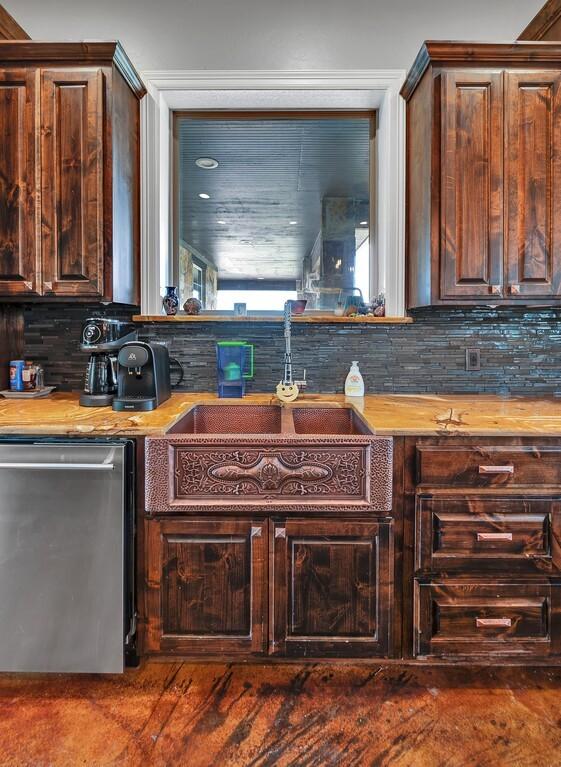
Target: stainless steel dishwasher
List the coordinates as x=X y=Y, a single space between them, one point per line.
x=66 y=569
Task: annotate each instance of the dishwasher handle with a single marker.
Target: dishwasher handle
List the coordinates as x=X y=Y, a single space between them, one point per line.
x=60 y=466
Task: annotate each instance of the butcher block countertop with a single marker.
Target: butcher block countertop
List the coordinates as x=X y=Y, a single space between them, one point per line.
x=397 y=414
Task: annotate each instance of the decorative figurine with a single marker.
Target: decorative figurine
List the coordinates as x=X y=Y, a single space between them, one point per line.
x=379 y=306
x=192 y=306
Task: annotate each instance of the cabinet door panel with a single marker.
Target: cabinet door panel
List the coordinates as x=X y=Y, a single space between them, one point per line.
x=472 y=216
x=206 y=586
x=533 y=175
x=72 y=182
x=331 y=588
x=19 y=252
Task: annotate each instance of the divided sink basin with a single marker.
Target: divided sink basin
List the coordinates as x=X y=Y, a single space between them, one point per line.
x=270 y=419
x=230 y=419
x=242 y=458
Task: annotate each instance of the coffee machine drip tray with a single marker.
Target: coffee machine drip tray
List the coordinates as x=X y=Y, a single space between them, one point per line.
x=134 y=403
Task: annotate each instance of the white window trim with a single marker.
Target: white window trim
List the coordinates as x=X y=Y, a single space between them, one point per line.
x=373 y=89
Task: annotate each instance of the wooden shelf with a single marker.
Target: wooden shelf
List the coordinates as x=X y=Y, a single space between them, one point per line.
x=317 y=319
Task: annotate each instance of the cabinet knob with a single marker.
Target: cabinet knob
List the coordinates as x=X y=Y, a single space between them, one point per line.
x=496 y=290
x=280 y=532
x=256 y=532
x=515 y=290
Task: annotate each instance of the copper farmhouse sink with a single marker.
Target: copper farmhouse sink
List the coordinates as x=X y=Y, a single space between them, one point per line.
x=236 y=458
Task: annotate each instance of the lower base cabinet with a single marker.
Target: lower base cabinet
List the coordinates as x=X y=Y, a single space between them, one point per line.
x=482 y=620
x=206 y=587
x=299 y=588
x=331 y=588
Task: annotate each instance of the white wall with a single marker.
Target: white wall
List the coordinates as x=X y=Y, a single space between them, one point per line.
x=273 y=34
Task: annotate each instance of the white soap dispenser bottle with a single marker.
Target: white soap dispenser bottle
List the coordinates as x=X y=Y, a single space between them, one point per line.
x=354 y=385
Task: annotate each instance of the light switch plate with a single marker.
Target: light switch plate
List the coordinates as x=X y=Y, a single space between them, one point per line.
x=473 y=359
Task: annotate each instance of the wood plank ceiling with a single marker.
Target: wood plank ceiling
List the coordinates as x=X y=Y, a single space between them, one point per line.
x=271 y=172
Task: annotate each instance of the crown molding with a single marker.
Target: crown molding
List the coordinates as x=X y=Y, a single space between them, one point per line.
x=441 y=52
x=84 y=52
x=163 y=80
x=9 y=28
x=542 y=22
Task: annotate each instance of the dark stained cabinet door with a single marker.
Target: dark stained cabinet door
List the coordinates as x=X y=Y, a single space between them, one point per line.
x=471 y=185
x=532 y=182
x=206 y=587
x=331 y=588
x=19 y=250
x=72 y=182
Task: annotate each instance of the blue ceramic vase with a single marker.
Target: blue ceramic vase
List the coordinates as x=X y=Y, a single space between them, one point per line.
x=171 y=300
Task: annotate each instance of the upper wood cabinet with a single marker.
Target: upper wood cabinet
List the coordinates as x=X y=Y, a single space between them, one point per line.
x=483 y=174
x=19 y=255
x=69 y=172
x=532 y=183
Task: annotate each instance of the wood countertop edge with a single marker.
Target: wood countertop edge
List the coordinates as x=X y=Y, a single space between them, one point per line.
x=415 y=415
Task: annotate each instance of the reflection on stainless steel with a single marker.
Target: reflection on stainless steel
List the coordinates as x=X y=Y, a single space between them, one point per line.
x=62 y=556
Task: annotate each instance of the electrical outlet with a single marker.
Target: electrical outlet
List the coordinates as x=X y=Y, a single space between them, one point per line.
x=473 y=359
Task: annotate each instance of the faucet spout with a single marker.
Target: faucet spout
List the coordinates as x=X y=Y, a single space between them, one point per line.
x=288 y=389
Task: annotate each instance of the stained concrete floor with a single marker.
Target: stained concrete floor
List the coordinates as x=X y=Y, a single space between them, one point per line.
x=309 y=716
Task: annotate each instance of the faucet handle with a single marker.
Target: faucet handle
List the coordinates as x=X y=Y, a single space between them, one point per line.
x=303 y=383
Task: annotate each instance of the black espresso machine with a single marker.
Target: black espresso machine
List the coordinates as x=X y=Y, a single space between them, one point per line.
x=143 y=376
x=103 y=337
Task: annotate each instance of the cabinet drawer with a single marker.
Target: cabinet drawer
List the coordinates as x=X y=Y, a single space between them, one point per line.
x=488 y=466
x=510 y=534
x=476 y=618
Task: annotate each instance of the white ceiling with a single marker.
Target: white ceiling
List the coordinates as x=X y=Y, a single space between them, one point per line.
x=273 y=34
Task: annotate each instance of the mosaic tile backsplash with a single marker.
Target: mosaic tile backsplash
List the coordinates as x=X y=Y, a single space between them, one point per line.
x=520 y=350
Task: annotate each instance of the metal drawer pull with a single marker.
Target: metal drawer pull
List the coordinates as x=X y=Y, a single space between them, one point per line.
x=60 y=466
x=490 y=622
x=494 y=536
x=496 y=469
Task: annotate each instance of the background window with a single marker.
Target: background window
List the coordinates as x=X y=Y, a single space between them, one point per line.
x=271 y=207
x=198 y=282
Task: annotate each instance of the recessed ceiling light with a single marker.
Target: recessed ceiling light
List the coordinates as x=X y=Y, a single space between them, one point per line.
x=363 y=223
x=207 y=163
x=293 y=223
x=204 y=196
x=220 y=222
